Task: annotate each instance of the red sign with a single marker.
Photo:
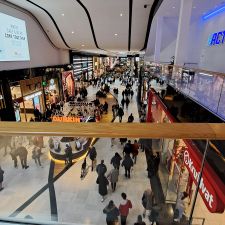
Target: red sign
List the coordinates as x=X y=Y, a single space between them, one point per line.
x=206 y=188
x=68 y=82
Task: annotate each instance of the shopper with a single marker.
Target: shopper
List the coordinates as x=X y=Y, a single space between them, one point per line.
x=83 y=169
x=131 y=93
x=157 y=162
x=135 y=148
x=123 y=102
x=101 y=168
x=123 y=93
x=93 y=156
x=68 y=155
x=22 y=152
x=1 y=178
x=14 y=157
x=127 y=102
x=139 y=221
x=120 y=114
x=105 y=107
x=113 y=178
x=124 y=208
x=130 y=118
x=180 y=205
x=147 y=201
x=115 y=161
x=112 y=213
x=127 y=148
x=127 y=163
x=102 y=186
x=36 y=154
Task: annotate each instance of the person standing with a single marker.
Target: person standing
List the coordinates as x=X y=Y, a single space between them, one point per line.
x=101 y=168
x=127 y=102
x=113 y=178
x=1 y=178
x=131 y=93
x=135 y=148
x=124 y=208
x=127 y=163
x=127 y=148
x=123 y=102
x=22 y=152
x=14 y=157
x=130 y=118
x=147 y=201
x=180 y=205
x=120 y=114
x=92 y=156
x=115 y=161
x=112 y=213
x=102 y=182
x=36 y=154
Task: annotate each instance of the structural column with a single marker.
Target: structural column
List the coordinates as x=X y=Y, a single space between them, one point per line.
x=183 y=32
x=158 y=39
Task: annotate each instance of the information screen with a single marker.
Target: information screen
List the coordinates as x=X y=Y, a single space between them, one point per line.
x=13 y=39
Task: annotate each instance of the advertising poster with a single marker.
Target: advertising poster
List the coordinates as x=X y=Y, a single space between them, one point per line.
x=68 y=83
x=13 y=39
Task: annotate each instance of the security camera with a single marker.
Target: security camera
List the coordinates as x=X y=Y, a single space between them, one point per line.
x=145 y=6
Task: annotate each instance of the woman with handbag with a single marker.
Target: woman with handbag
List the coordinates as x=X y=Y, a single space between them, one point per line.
x=147 y=201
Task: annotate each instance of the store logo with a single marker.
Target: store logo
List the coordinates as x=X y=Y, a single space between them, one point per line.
x=192 y=168
x=216 y=38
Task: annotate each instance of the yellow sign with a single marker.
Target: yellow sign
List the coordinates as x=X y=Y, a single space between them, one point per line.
x=66 y=119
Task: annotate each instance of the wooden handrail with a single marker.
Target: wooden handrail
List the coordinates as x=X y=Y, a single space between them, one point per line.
x=132 y=130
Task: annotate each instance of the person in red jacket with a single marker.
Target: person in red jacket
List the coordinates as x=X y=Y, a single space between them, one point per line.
x=124 y=208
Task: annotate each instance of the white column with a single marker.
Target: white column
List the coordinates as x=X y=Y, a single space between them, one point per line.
x=183 y=32
x=158 y=39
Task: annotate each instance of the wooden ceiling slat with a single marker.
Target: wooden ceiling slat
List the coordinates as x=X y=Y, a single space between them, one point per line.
x=132 y=130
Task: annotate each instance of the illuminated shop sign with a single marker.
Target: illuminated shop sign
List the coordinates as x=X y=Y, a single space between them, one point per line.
x=216 y=38
x=66 y=119
x=32 y=96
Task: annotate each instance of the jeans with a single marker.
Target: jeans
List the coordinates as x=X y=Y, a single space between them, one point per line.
x=123 y=220
x=127 y=172
x=113 y=185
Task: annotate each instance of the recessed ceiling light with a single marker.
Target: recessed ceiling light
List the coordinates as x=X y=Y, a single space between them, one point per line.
x=115 y=34
x=173 y=7
x=121 y=14
x=194 y=7
x=72 y=32
x=63 y=14
x=82 y=45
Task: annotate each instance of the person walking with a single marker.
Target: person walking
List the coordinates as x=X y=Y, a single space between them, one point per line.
x=127 y=148
x=130 y=118
x=123 y=102
x=112 y=213
x=131 y=93
x=139 y=221
x=13 y=154
x=36 y=154
x=120 y=114
x=113 y=178
x=83 y=168
x=124 y=208
x=101 y=168
x=115 y=161
x=1 y=178
x=135 y=152
x=156 y=161
x=127 y=163
x=68 y=155
x=127 y=102
x=102 y=182
x=180 y=205
x=147 y=201
x=22 y=152
x=93 y=156
x=123 y=93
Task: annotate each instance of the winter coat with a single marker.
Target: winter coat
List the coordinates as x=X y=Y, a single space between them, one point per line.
x=127 y=162
x=124 y=207
x=22 y=152
x=102 y=185
x=101 y=169
x=115 y=161
x=135 y=148
x=113 y=175
x=147 y=200
x=111 y=213
x=127 y=149
x=92 y=154
x=120 y=112
x=1 y=175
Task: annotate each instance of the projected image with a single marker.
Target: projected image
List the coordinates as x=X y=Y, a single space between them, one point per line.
x=13 y=39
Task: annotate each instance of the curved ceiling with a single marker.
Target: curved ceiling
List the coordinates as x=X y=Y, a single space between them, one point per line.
x=93 y=25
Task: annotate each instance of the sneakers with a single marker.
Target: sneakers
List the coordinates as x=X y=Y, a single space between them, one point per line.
x=177 y=220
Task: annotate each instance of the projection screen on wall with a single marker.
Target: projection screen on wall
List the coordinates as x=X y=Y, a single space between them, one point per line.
x=13 y=39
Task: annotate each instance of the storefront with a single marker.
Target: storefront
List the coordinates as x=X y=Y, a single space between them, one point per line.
x=68 y=84
x=183 y=161
x=31 y=97
x=52 y=93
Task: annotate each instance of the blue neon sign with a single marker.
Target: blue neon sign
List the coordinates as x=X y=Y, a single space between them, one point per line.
x=216 y=38
x=214 y=13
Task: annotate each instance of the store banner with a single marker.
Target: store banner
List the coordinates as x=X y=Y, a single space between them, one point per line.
x=31 y=86
x=206 y=189
x=68 y=83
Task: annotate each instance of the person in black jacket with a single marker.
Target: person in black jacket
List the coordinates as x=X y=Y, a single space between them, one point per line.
x=92 y=156
x=127 y=102
x=120 y=114
x=127 y=148
x=1 y=178
x=115 y=161
x=101 y=168
x=139 y=221
x=130 y=118
x=127 y=163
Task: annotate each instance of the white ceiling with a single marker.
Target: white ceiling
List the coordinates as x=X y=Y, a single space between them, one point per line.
x=170 y=9
x=106 y=20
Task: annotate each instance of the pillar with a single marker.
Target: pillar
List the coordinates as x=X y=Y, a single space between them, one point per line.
x=158 y=39
x=183 y=32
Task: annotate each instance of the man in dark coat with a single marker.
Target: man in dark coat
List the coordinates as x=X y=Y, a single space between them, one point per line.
x=120 y=114
x=1 y=178
x=127 y=148
x=102 y=182
x=130 y=118
x=22 y=152
x=112 y=213
x=115 y=161
x=92 y=156
x=127 y=163
x=101 y=168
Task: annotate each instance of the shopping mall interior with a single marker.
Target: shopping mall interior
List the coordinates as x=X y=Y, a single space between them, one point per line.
x=112 y=112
